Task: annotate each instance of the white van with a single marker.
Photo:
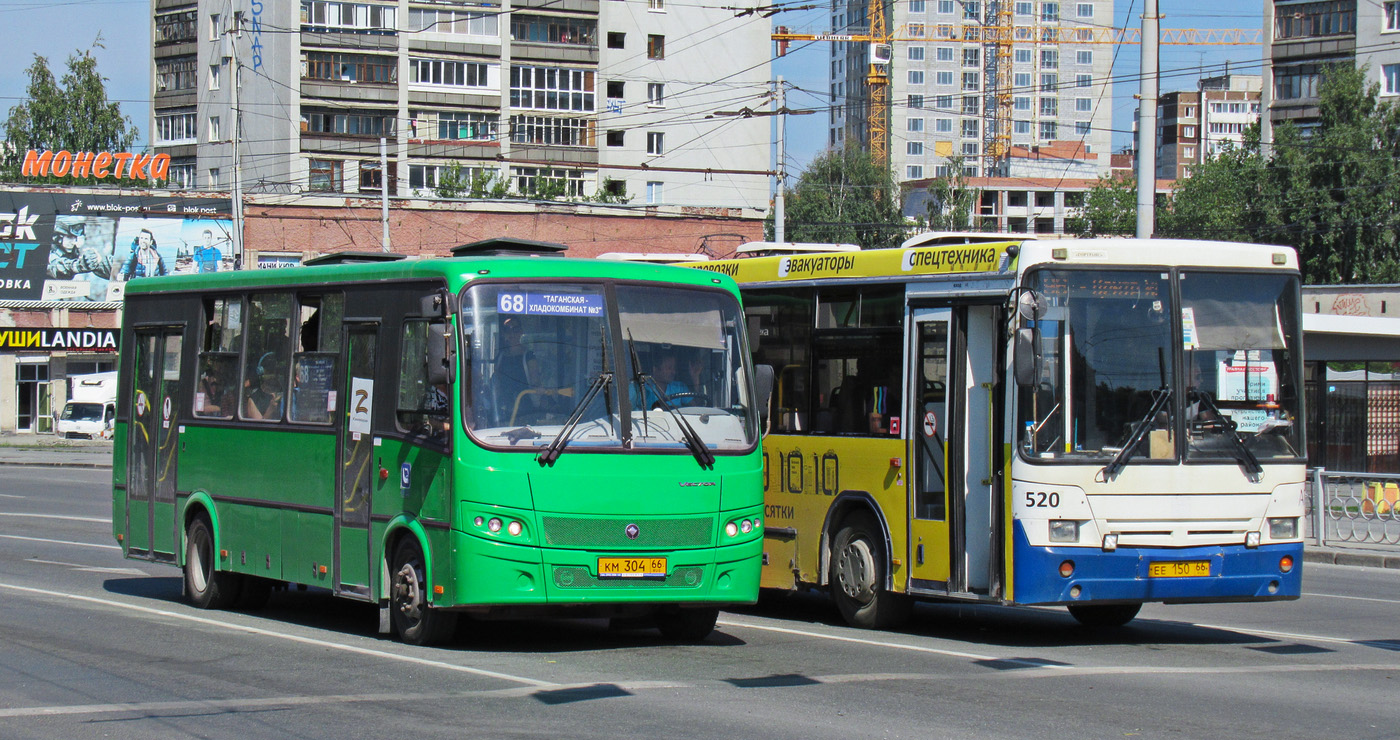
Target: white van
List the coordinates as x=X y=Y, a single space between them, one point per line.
x=93 y=409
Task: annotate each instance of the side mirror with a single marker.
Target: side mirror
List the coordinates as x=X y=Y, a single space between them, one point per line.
x=1027 y=359
x=436 y=305
x=1030 y=306
x=763 y=388
x=439 y=350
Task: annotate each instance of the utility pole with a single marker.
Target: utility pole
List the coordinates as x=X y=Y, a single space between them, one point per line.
x=779 y=204
x=1147 y=123
x=384 y=188
x=231 y=54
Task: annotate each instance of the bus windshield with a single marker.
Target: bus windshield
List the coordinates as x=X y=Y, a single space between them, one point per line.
x=1106 y=386
x=545 y=353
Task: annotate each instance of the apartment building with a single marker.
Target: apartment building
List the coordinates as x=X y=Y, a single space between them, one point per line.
x=1303 y=38
x=1193 y=126
x=587 y=96
x=944 y=83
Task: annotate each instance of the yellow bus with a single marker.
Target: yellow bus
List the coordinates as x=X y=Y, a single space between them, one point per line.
x=1094 y=424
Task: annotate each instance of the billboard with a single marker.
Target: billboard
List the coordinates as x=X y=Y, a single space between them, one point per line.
x=84 y=247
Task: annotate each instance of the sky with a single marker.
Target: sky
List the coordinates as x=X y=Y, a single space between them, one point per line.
x=118 y=34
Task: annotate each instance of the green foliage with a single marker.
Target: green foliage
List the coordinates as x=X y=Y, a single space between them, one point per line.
x=1110 y=209
x=72 y=113
x=1221 y=198
x=951 y=202
x=610 y=191
x=843 y=196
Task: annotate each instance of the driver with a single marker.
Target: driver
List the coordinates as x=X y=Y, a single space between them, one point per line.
x=663 y=371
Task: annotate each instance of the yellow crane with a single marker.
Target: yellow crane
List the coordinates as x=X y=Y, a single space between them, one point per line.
x=997 y=34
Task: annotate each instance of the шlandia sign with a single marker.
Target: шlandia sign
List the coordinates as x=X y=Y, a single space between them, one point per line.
x=99 y=165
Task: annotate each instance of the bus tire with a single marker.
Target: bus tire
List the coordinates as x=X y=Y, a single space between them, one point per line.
x=1104 y=616
x=414 y=621
x=857 y=577
x=206 y=586
x=687 y=625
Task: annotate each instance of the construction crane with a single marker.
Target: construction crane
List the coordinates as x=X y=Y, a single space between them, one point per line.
x=997 y=35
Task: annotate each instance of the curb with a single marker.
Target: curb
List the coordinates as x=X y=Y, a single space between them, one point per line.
x=1364 y=559
x=23 y=464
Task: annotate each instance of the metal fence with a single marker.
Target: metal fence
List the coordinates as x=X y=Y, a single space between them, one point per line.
x=1353 y=508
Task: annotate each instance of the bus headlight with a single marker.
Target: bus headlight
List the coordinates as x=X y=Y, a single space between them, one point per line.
x=515 y=528
x=1064 y=530
x=1283 y=528
x=494 y=525
x=731 y=529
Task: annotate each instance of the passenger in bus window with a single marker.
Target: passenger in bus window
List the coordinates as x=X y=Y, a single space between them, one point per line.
x=218 y=397
x=696 y=376
x=265 y=400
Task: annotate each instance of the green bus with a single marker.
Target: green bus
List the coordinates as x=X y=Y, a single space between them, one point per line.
x=499 y=433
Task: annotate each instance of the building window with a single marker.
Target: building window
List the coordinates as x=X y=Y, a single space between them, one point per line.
x=445 y=73
x=1048 y=82
x=971 y=149
x=916 y=76
x=1048 y=130
x=1083 y=80
x=1083 y=57
x=1308 y=20
x=179 y=177
x=335 y=66
x=1084 y=105
x=1188 y=132
x=534 y=179
x=214 y=76
x=1025 y=8
x=177 y=128
x=657 y=5
x=943 y=125
x=972 y=57
x=1049 y=59
x=969 y=105
x=551 y=131
x=213 y=177
x=1392 y=16
x=616 y=40
x=1188 y=152
x=1024 y=56
x=342 y=17
x=1295 y=82
x=1081 y=128
x=914 y=172
x=1085 y=10
x=653 y=192
x=972 y=10
x=655 y=142
x=215 y=27
x=327 y=175
x=916 y=6
x=914 y=124
x=1021 y=103
x=452 y=125
x=180 y=73
x=348 y=122
x=946 y=6
x=916 y=53
x=916 y=102
x=1021 y=80
x=1050 y=12
x=174 y=28
x=945 y=53
x=1049 y=107
x=943 y=102
x=214 y=133
x=972 y=81
x=943 y=78
x=656 y=46
x=454 y=22
x=615 y=137
x=551 y=30
x=971 y=128
x=1021 y=127
x=1390 y=73
x=914 y=148
x=916 y=30
x=553 y=88
x=372 y=177
x=656 y=94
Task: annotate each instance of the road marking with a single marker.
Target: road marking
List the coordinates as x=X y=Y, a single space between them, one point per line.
x=58 y=542
x=6 y=495
x=99 y=520
x=1275 y=635
x=91 y=568
x=1355 y=598
x=878 y=643
x=284 y=636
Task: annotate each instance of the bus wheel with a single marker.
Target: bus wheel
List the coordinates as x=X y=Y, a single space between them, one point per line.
x=414 y=622
x=687 y=625
x=1104 y=615
x=206 y=586
x=857 y=576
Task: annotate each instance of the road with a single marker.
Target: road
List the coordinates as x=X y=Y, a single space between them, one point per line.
x=96 y=646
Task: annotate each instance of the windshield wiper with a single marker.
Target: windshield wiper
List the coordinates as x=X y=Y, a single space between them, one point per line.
x=697 y=447
x=1140 y=429
x=1252 y=469
x=556 y=446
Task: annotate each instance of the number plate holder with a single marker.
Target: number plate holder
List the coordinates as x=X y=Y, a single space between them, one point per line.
x=1178 y=569
x=632 y=567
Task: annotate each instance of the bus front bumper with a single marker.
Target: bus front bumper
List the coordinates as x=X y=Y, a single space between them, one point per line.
x=1236 y=573
x=499 y=574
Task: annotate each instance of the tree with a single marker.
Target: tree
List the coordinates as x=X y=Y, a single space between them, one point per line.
x=1222 y=198
x=844 y=197
x=72 y=114
x=1110 y=209
x=950 y=201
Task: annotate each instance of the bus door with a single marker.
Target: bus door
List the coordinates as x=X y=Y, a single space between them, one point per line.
x=155 y=414
x=953 y=477
x=355 y=463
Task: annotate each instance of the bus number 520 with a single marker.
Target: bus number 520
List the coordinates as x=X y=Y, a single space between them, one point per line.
x=1042 y=499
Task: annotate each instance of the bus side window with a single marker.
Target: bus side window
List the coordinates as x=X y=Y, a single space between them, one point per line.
x=216 y=390
x=265 y=363
x=780 y=329
x=313 y=365
x=421 y=408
